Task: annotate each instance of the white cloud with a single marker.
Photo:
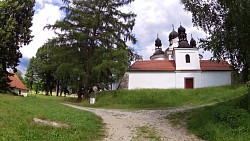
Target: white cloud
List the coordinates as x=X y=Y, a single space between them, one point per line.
x=41 y=3
x=47 y=15
x=156 y=17
x=153 y=17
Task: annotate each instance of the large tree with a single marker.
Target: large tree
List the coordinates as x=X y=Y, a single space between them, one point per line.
x=15 y=23
x=96 y=33
x=46 y=67
x=227 y=24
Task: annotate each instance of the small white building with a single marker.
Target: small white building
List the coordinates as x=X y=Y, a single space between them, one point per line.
x=180 y=66
x=17 y=85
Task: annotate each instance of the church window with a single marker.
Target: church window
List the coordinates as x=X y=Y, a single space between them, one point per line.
x=187 y=58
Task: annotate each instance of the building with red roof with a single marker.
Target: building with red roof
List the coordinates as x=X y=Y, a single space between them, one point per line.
x=179 y=66
x=17 y=85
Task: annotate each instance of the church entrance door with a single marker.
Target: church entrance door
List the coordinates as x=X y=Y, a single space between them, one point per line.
x=189 y=83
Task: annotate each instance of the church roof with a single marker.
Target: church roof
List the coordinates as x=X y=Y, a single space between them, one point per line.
x=16 y=82
x=153 y=65
x=169 y=65
x=214 y=65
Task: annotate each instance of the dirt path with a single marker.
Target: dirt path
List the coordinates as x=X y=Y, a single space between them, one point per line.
x=121 y=125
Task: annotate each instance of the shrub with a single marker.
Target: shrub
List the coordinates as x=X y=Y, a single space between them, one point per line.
x=232 y=117
x=245 y=102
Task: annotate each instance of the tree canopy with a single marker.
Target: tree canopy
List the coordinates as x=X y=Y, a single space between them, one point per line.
x=90 y=47
x=227 y=24
x=15 y=23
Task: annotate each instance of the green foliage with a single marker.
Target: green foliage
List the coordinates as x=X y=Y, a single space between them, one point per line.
x=227 y=23
x=30 y=74
x=45 y=67
x=91 y=47
x=162 y=99
x=17 y=115
x=16 y=17
x=230 y=116
x=224 y=121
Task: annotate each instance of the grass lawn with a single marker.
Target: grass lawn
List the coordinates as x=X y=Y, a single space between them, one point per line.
x=226 y=121
x=17 y=113
x=163 y=99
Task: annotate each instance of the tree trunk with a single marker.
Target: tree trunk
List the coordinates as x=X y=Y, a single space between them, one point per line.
x=79 y=93
x=51 y=91
x=57 y=88
x=245 y=72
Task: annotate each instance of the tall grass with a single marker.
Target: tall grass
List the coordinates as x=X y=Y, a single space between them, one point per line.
x=226 y=121
x=17 y=113
x=162 y=99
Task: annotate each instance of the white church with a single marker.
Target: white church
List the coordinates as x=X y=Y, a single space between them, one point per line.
x=179 y=67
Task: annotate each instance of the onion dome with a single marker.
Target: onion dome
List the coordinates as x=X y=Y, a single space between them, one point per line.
x=184 y=44
x=181 y=29
x=173 y=35
x=158 y=51
x=192 y=42
x=158 y=42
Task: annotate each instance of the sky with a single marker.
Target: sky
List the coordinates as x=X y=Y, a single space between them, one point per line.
x=153 y=17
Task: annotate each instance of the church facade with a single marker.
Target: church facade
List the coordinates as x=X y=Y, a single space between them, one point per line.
x=179 y=66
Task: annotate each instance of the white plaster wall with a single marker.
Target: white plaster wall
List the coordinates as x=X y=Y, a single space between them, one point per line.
x=168 y=80
x=215 y=78
x=180 y=59
x=175 y=42
x=181 y=75
x=151 y=80
x=23 y=92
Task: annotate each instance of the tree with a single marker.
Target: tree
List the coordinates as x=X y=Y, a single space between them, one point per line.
x=46 y=67
x=15 y=23
x=95 y=33
x=31 y=73
x=32 y=81
x=227 y=23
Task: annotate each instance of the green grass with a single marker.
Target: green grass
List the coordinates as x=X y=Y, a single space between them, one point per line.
x=146 y=133
x=226 y=121
x=17 y=113
x=164 y=99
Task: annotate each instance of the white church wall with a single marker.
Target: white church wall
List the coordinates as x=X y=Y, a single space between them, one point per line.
x=181 y=75
x=151 y=80
x=180 y=59
x=215 y=78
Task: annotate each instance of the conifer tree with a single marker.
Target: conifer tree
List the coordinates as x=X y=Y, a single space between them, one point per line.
x=15 y=23
x=96 y=33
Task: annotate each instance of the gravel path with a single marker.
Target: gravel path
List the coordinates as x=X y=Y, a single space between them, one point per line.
x=121 y=125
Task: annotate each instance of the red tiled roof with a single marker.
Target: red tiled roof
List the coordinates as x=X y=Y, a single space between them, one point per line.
x=16 y=82
x=169 y=65
x=153 y=65
x=214 y=65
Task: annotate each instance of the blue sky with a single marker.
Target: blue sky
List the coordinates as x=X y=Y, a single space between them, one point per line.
x=153 y=17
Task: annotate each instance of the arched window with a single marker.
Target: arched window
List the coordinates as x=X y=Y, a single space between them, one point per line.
x=187 y=58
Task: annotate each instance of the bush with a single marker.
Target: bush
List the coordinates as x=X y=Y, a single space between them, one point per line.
x=245 y=102
x=232 y=117
x=224 y=121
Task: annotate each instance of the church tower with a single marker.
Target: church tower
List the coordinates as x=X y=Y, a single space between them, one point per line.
x=186 y=56
x=173 y=43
